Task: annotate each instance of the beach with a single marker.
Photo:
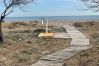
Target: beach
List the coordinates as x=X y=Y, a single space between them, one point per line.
x=23 y=47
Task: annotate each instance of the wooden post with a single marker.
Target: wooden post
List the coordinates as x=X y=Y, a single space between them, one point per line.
x=47 y=25
x=42 y=20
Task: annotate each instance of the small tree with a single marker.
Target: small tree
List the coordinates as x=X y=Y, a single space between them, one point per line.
x=92 y=4
x=9 y=6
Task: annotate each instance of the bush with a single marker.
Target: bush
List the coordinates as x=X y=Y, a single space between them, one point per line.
x=14 y=37
x=36 y=32
x=28 y=52
x=95 y=35
x=16 y=24
x=83 y=54
x=21 y=58
x=35 y=21
x=77 y=24
x=91 y=23
x=21 y=31
x=95 y=38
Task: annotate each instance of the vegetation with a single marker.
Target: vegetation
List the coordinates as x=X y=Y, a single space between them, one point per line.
x=88 y=57
x=77 y=25
x=23 y=48
x=36 y=32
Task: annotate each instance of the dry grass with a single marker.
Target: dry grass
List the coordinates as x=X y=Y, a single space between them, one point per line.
x=23 y=48
x=85 y=58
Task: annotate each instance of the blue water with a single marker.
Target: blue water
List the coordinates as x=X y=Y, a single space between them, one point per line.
x=71 y=18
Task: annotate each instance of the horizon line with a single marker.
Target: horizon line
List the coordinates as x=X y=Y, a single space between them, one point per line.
x=53 y=16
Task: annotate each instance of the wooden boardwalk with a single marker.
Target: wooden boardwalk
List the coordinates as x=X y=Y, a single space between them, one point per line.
x=78 y=43
x=61 y=35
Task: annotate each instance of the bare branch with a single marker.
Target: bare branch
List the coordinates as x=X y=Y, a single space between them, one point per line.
x=9 y=12
x=6 y=9
x=5 y=3
x=92 y=4
x=13 y=4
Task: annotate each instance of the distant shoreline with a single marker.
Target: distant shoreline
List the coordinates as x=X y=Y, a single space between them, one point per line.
x=59 y=21
x=54 y=18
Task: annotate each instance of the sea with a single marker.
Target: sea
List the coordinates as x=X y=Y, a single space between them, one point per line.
x=67 y=18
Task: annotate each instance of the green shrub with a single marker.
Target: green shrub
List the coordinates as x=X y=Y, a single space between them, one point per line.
x=84 y=54
x=26 y=52
x=19 y=23
x=35 y=21
x=21 y=31
x=27 y=31
x=14 y=37
x=95 y=35
x=91 y=23
x=77 y=24
x=2 y=63
x=36 y=32
x=21 y=58
x=95 y=38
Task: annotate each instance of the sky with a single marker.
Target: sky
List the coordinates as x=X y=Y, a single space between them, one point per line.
x=53 y=8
